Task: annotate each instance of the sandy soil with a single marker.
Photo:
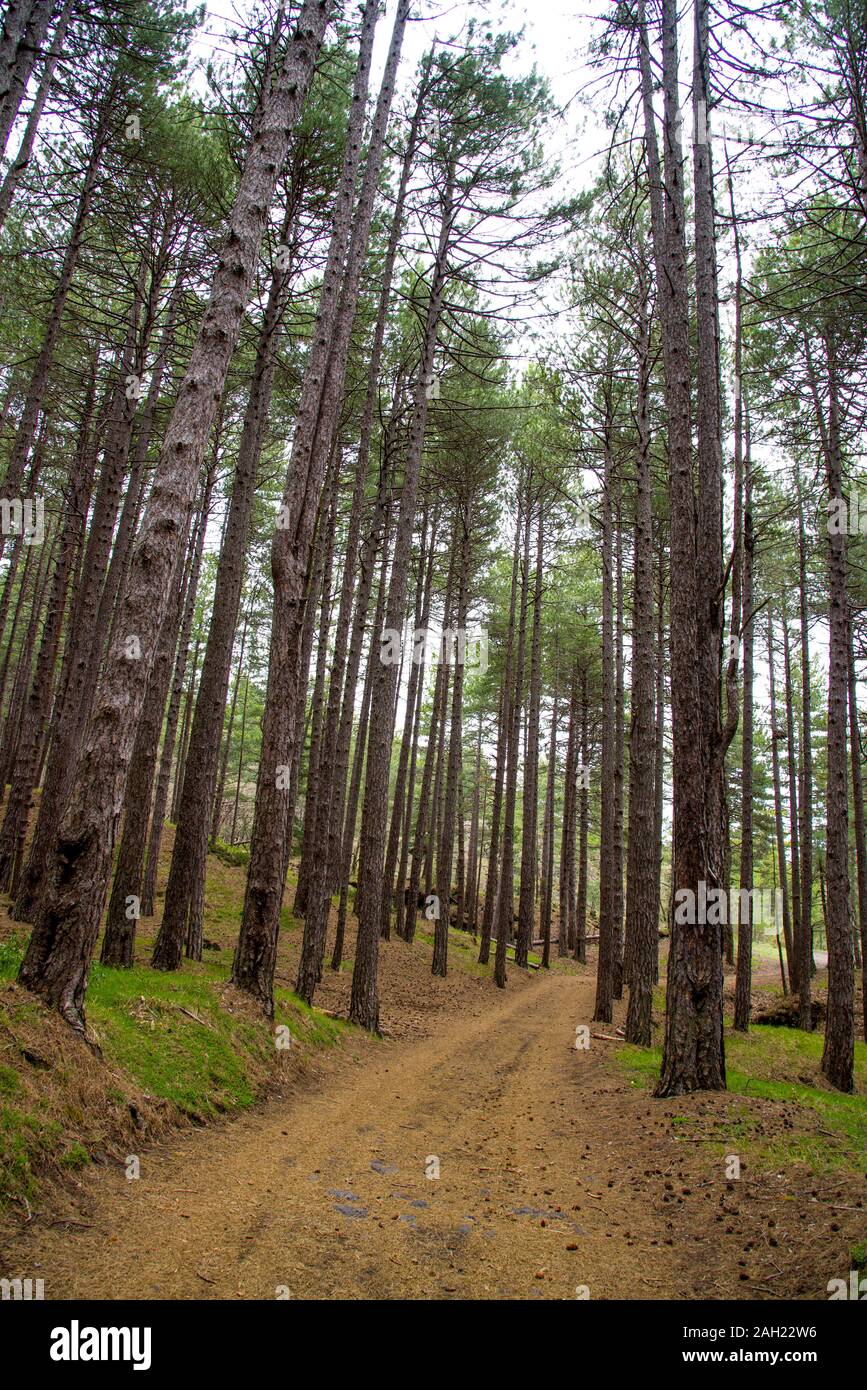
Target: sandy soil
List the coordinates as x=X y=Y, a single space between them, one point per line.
x=556 y=1176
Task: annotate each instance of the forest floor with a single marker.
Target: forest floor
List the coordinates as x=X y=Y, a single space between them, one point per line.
x=474 y=1152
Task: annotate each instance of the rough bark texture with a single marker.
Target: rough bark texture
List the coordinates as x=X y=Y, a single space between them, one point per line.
x=858 y=812
x=189 y=854
x=642 y=905
x=743 y=981
x=530 y=813
x=515 y=667
x=776 y=736
x=805 y=793
x=315 y=435
x=838 y=1056
x=608 y=814
x=693 y=1057
x=58 y=957
x=364 y=1006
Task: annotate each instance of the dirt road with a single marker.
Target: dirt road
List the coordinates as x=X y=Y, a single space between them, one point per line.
x=335 y=1194
x=487 y=1159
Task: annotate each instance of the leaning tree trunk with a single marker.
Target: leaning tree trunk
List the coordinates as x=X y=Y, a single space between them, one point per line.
x=58 y=957
x=17 y=62
x=322 y=394
x=344 y=670
x=26 y=772
x=125 y=902
x=161 y=794
x=28 y=139
x=190 y=851
x=26 y=431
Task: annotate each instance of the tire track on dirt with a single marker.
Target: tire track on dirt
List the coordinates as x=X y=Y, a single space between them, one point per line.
x=326 y=1195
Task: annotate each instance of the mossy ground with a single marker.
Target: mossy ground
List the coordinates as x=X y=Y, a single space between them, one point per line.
x=176 y=1048
x=819 y=1127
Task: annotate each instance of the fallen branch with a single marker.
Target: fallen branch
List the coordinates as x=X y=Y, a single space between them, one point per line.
x=195 y=1017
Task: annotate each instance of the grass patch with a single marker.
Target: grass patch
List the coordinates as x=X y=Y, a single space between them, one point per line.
x=782 y=1065
x=236 y=856
x=175 y=1048
x=464 y=952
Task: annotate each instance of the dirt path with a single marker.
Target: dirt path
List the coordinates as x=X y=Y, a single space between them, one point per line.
x=556 y=1171
x=327 y=1196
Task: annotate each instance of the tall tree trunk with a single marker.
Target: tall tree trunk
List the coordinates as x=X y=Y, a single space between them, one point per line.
x=316 y=430
x=693 y=1055
x=567 y=841
x=161 y=795
x=805 y=948
x=776 y=736
x=583 y=829
x=445 y=853
x=642 y=902
x=190 y=851
x=838 y=1056
x=506 y=888
x=743 y=981
x=351 y=817
x=605 y=974
x=858 y=809
x=794 y=812
x=529 y=827
x=619 y=742
x=219 y=795
x=548 y=837
x=496 y=814
x=407 y=744
x=474 y=848
x=317 y=709
x=364 y=1006
x=425 y=804
x=58 y=957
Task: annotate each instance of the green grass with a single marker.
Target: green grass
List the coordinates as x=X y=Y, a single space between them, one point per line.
x=236 y=856
x=168 y=1037
x=26 y=1144
x=464 y=952
x=782 y=1065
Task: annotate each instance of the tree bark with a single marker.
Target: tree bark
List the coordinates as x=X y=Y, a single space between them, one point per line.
x=58 y=957
x=364 y=1006
x=642 y=902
